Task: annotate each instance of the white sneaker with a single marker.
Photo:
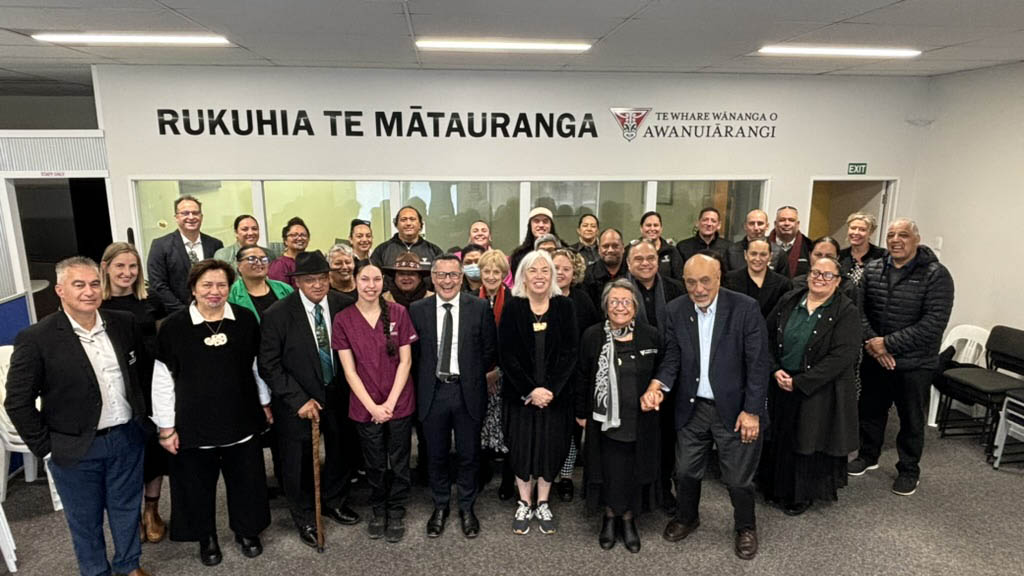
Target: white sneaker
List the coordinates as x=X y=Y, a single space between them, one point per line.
x=521 y=523
x=546 y=518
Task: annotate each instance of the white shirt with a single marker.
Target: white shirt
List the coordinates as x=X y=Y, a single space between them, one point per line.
x=310 y=315
x=115 y=409
x=196 y=246
x=454 y=366
x=163 y=382
x=705 y=331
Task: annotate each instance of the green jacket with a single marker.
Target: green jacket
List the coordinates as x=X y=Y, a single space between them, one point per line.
x=239 y=295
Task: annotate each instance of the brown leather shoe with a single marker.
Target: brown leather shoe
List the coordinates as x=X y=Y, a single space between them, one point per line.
x=153 y=526
x=138 y=572
x=746 y=544
x=676 y=531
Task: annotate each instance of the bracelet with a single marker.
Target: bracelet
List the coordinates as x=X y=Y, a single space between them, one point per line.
x=168 y=437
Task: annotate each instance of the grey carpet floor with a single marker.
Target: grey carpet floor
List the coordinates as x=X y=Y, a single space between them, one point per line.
x=965 y=519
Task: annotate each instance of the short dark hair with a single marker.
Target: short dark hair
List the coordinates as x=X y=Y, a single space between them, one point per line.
x=294 y=221
x=648 y=214
x=707 y=209
x=408 y=207
x=828 y=240
x=606 y=230
x=473 y=248
x=240 y=255
x=446 y=258
x=358 y=222
x=208 y=265
x=241 y=217
x=188 y=197
x=759 y=239
x=588 y=215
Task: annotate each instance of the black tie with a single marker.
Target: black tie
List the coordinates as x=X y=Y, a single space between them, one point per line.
x=446 y=342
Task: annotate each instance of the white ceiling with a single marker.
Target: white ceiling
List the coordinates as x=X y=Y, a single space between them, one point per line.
x=704 y=36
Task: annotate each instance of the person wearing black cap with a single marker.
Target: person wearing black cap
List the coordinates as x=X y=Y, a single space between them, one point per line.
x=360 y=236
x=307 y=384
x=409 y=224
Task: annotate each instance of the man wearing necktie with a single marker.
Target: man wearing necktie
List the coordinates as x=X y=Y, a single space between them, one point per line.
x=307 y=384
x=457 y=347
x=172 y=256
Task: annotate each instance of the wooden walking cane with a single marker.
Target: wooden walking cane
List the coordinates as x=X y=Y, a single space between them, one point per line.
x=316 y=486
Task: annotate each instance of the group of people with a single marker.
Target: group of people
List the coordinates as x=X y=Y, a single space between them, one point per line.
x=634 y=359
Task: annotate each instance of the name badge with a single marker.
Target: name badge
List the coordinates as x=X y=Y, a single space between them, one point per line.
x=648 y=351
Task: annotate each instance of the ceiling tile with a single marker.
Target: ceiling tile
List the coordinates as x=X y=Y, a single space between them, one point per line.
x=560 y=10
x=856 y=72
x=8 y=38
x=41 y=50
x=937 y=66
x=969 y=52
x=920 y=37
x=330 y=47
x=952 y=13
x=41 y=88
x=100 y=19
x=722 y=14
x=176 y=55
x=525 y=26
x=89 y=4
x=327 y=19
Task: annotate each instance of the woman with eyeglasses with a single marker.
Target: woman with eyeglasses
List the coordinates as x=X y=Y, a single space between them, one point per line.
x=815 y=336
x=296 y=240
x=252 y=289
x=124 y=288
x=826 y=247
x=618 y=358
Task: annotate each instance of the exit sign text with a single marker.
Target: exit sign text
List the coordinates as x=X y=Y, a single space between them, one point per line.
x=861 y=168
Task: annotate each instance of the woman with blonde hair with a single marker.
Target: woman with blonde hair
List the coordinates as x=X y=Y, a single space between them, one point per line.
x=124 y=288
x=859 y=228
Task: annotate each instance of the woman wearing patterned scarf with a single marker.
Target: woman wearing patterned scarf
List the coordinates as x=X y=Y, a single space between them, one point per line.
x=618 y=358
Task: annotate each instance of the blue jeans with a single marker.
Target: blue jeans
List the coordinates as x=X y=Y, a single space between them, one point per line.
x=108 y=478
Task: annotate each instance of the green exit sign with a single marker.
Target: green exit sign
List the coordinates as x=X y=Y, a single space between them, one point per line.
x=854 y=168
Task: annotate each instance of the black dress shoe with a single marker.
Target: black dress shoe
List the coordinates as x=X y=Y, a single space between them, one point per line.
x=676 y=530
x=796 y=508
x=746 y=544
x=251 y=547
x=435 y=526
x=209 y=551
x=307 y=534
x=342 y=515
x=378 y=524
x=630 y=535
x=565 y=489
x=607 y=536
x=395 y=530
x=470 y=523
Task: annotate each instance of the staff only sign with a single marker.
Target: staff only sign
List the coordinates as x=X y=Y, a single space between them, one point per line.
x=415 y=122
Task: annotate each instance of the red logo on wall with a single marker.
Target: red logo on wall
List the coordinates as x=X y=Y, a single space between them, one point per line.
x=629 y=120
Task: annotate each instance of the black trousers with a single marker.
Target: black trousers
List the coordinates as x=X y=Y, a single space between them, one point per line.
x=908 y=390
x=382 y=444
x=447 y=414
x=738 y=462
x=667 y=423
x=194 y=473
x=340 y=450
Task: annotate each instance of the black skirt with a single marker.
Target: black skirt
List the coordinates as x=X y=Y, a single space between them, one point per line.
x=619 y=490
x=789 y=478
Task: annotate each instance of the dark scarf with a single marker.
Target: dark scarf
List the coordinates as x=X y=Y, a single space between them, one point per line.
x=793 y=258
x=405 y=299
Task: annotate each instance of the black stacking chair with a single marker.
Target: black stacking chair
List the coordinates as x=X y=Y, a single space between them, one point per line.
x=986 y=387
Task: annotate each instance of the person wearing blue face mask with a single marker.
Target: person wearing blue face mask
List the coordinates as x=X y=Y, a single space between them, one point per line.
x=471 y=281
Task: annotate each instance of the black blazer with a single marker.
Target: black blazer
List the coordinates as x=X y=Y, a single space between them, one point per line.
x=516 y=354
x=740 y=360
x=647 y=341
x=827 y=386
x=49 y=362
x=168 y=267
x=477 y=352
x=289 y=361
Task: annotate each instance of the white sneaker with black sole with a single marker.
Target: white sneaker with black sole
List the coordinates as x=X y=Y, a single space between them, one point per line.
x=858 y=466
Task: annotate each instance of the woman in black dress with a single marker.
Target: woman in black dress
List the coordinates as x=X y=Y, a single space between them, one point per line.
x=569 y=270
x=537 y=354
x=618 y=358
x=210 y=406
x=815 y=336
x=124 y=288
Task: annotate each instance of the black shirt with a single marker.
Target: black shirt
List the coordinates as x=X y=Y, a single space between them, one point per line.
x=261 y=303
x=629 y=406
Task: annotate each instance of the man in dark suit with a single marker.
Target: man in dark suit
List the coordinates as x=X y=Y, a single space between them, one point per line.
x=716 y=356
x=81 y=362
x=307 y=384
x=457 y=347
x=172 y=256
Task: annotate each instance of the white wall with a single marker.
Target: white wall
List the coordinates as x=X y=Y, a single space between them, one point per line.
x=47 y=112
x=823 y=124
x=969 y=191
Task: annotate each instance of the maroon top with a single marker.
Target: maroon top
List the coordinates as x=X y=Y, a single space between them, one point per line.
x=280 y=269
x=376 y=369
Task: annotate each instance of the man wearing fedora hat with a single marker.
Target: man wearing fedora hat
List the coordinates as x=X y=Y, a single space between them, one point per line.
x=407 y=239
x=307 y=384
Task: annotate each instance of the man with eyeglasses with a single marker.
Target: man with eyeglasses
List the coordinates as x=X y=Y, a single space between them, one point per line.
x=172 y=256
x=306 y=384
x=717 y=360
x=456 y=349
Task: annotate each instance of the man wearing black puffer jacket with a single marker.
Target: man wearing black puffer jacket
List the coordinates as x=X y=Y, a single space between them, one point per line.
x=907 y=297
